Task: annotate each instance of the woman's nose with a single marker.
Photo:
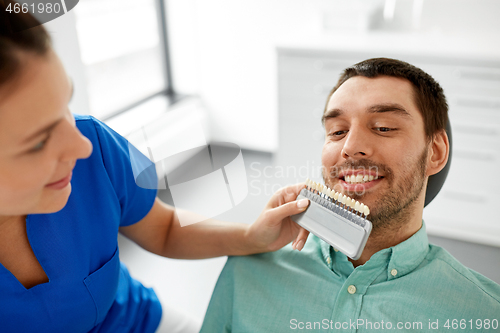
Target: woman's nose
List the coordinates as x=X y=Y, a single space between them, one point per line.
x=77 y=145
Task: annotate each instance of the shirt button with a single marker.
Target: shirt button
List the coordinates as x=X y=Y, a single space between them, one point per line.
x=394 y=272
x=351 y=289
x=328 y=260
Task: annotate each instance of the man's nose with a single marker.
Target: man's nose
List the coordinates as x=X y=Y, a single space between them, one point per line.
x=357 y=144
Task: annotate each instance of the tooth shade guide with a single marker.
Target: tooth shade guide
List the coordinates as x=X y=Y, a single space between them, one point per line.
x=338 y=199
x=335 y=218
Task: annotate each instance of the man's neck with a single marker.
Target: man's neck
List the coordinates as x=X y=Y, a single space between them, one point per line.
x=382 y=238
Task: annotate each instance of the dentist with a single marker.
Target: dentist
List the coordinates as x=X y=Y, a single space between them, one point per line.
x=66 y=191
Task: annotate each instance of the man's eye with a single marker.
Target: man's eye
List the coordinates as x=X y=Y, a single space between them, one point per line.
x=337 y=133
x=384 y=129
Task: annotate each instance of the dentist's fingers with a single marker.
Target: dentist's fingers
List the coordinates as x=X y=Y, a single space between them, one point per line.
x=285 y=194
x=300 y=241
x=276 y=215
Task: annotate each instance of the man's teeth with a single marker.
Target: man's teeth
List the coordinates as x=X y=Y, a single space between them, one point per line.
x=359 y=179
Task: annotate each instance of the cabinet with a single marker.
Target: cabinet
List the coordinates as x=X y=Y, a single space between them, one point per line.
x=466 y=206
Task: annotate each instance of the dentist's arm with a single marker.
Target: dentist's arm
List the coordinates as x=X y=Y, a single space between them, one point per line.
x=160 y=232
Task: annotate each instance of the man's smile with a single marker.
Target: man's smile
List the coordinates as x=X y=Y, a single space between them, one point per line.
x=359 y=180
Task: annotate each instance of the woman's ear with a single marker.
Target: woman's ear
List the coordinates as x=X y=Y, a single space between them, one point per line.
x=439 y=151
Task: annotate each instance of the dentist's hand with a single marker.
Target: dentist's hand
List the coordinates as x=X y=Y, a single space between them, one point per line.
x=274 y=229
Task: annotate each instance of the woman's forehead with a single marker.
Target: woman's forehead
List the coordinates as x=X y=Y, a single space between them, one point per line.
x=37 y=97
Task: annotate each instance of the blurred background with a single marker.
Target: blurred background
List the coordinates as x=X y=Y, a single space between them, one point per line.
x=257 y=74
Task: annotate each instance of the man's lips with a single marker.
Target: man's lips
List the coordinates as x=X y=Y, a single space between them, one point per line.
x=60 y=183
x=359 y=187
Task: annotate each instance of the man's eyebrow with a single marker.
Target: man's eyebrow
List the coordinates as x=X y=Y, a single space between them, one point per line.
x=41 y=131
x=332 y=113
x=378 y=108
x=390 y=107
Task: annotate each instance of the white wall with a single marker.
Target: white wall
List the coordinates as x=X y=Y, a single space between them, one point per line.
x=230 y=60
x=225 y=51
x=65 y=42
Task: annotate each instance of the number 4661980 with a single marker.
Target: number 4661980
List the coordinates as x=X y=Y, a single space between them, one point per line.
x=40 y=8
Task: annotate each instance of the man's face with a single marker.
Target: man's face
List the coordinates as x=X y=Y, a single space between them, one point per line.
x=375 y=149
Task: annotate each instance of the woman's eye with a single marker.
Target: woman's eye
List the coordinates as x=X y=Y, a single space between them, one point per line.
x=39 y=146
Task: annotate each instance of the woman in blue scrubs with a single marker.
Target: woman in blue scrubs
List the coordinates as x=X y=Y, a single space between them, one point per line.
x=67 y=189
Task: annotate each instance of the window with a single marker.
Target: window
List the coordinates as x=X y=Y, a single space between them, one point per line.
x=123 y=50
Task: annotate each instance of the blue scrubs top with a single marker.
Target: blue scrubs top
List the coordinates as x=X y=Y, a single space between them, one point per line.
x=89 y=290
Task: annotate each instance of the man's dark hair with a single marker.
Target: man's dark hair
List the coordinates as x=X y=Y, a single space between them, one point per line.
x=19 y=32
x=428 y=94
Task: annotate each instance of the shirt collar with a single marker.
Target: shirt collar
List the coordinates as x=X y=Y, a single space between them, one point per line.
x=400 y=259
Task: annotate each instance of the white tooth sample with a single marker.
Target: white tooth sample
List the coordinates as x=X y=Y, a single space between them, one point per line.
x=348 y=202
x=351 y=203
x=366 y=211
x=323 y=190
x=328 y=192
x=370 y=178
x=347 y=179
x=308 y=182
x=336 y=195
x=361 y=208
x=359 y=178
x=356 y=206
x=365 y=178
x=341 y=198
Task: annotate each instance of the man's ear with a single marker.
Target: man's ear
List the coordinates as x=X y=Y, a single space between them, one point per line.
x=439 y=151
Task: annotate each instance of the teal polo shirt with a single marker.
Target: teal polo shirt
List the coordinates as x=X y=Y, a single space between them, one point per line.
x=411 y=287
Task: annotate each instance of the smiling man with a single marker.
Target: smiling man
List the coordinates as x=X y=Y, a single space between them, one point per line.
x=385 y=135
